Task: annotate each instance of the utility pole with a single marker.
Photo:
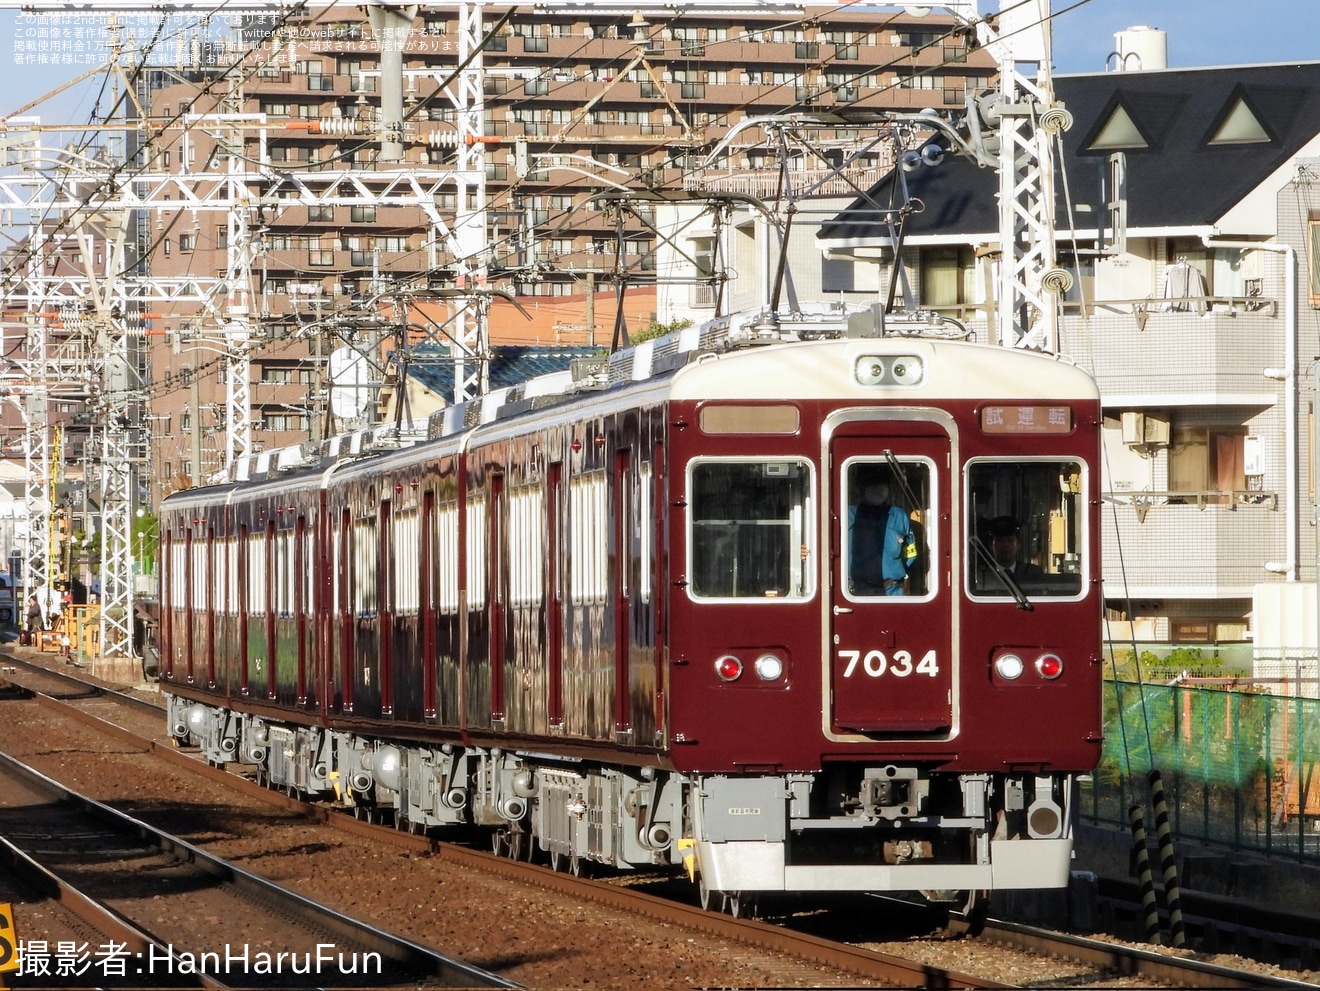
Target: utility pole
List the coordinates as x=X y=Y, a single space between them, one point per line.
x=195 y=423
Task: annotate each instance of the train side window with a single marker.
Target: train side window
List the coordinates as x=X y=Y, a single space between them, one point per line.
x=750 y=533
x=447 y=558
x=407 y=540
x=476 y=552
x=1025 y=520
x=588 y=560
x=526 y=546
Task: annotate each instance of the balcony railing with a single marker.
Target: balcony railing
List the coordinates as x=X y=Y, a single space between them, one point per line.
x=1199 y=498
x=1226 y=305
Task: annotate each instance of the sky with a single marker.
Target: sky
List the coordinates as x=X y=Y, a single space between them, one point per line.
x=1200 y=32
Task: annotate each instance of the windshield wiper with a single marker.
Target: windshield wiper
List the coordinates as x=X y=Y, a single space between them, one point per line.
x=1004 y=577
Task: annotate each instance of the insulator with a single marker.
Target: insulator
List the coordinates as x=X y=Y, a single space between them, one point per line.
x=1056 y=280
x=341 y=125
x=1056 y=120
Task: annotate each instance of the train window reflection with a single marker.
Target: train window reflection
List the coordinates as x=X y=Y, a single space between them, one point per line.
x=750 y=536
x=1025 y=526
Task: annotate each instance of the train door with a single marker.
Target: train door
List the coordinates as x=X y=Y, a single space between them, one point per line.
x=554 y=596
x=426 y=605
x=169 y=601
x=622 y=539
x=269 y=604
x=344 y=577
x=190 y=602
x=301 y=578
x=385 y=607
x=891 y=635
x=211 y=572
x=244 y=607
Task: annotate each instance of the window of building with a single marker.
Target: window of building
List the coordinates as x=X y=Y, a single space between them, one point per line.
x=362 y=214
x=321 y=214
x=317 y=81
x=1119 y=132
x=1313 y=255
x=354 y=69
x=1207 y=459
x=1240 y=126
x=689 y=40
x=948 y=275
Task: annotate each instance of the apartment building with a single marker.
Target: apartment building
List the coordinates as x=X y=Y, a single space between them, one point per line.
x=573 y=104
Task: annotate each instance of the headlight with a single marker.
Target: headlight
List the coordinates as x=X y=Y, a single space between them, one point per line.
x=899 y=369
x=769 y=667
x=1009 y=667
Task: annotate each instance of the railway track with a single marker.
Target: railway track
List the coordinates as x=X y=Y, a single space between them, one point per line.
x=144 y=889
x=806 y=941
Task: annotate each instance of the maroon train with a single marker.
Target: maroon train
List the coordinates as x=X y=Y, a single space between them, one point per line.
x=618 y=615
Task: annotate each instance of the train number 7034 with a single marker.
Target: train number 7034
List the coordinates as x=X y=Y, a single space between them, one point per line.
x=876 y=663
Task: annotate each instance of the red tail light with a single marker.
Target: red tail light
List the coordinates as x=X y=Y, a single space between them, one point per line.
x=729 y=668
x=1049 y=666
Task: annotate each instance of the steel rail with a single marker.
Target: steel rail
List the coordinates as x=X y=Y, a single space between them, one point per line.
x=403 y=952
x=40 y=881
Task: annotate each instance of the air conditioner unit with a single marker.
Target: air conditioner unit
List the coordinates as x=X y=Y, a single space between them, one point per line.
x=1134 y=428
x=1157 y=431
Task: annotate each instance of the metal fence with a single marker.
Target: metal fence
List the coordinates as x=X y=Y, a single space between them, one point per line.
x=1239 y=768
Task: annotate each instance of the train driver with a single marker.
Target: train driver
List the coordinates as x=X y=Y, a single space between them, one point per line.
x=1006 y=543
x=881 y=546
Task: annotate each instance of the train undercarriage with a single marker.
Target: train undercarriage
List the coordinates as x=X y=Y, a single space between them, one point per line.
x=850 y=827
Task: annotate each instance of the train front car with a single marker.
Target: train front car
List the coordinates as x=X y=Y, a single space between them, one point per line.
x=885 y=619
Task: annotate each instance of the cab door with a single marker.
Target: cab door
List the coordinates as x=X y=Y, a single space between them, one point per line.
x=891 y=669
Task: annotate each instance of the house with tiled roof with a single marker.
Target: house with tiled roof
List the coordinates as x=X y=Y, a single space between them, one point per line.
x=429 y=374
x=1188 y=214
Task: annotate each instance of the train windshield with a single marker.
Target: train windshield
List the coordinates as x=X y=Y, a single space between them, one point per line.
x=750 y=535
x=1025 y=523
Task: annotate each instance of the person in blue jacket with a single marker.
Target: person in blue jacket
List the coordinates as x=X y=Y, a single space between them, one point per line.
x=879 y=541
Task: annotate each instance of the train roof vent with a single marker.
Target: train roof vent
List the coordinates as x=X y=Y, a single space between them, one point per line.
x=589 y=374
x=293 y=458
x=491 y=403
x=551 y=384
x=471 y=413
x=444 y=422
x=621 y=366
x=388 y=437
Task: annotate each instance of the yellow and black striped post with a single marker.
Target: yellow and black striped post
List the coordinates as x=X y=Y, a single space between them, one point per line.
x=1168 y=862
x=1150 y=909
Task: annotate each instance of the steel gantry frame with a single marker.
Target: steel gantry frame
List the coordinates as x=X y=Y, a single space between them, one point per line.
x=65 y=190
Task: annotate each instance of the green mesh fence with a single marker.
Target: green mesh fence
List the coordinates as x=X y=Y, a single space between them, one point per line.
x=1238 y=767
